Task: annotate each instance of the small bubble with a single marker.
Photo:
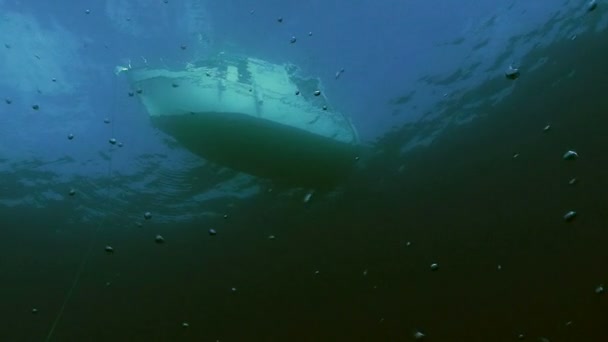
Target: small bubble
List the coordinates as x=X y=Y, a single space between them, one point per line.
x=570 y=216
x=512 y=73
x=109 y=249
x=570 y=155
x=434 y=267
x=293 y=39
x=317 y=93
x=185 y=325
x=87 y=11
x=70 y=136
x=112 y=141
x=159 y=239
x=34 y=311
x=212 y=232
x=147 y=215
x=72 y=192
x=419 y=335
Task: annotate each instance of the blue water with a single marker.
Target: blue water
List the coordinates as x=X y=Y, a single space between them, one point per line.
x=462 y=167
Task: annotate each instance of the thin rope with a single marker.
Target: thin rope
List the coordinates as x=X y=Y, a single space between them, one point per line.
x=69 y=294
x=93 y=238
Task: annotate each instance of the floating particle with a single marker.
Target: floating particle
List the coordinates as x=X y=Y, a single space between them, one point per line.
x=365 y=273
x=434 y=267
x=297 y=92
x=569 y=323
x=112 y=141
x=252 y=11
x=128 y=19
x=35 y=107
x=166 y=1
x=591 y=5
x=119 y=144
x=233 y=289
x=499 y=267
x=512 y=73
x=570 y=155
x=521 y=336
x=174 y=85
x=147 y=215
x=139 y=91
x=212 y=232
x=280 y=19
x=106 y=120
x=139 y=224
x=339 y=73
x=357 y=158
x=271 y=237
x=54 y=79
x=8 y=46
x=293 y=39
x=87 y=11
x=34 y=311
x=515 y=155
x=547 y=128
x=185 y=325
x=159 y=239
x=570 y=216
x=72 y=192
x=573 y=181
x=316 y=272
x=307 y=197
x=310 y=33
x=573 y=37
x=70 y=136
x=317 y=93
x=8 y=100
x=600 y=289
x=419 y=335
x=225 y=216
x=208 y=74
x=108 y=283
x=324 y=107
x=183 y=47
x=109 y=249
x=407 y=244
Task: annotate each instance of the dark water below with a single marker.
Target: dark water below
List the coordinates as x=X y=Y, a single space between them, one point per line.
x=463 y=202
